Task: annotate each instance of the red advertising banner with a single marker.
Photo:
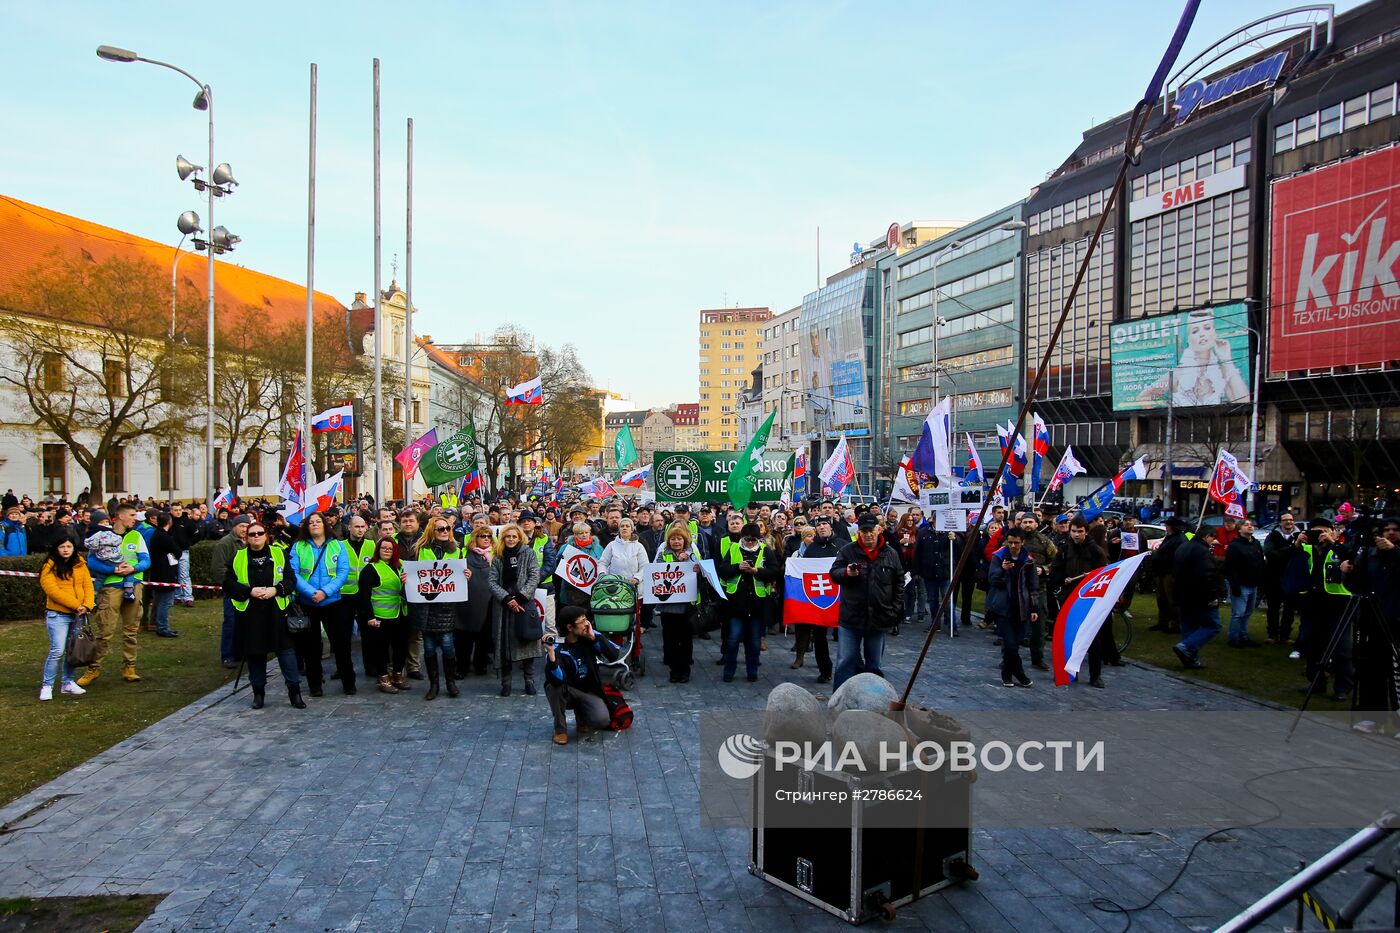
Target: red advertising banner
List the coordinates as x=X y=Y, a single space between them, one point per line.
x=1335 y=263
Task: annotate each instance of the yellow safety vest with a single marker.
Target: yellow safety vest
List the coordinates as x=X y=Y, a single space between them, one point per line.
x=760 y=589
x=387 y=599
x=1333 y=589
x=670 y=558
x=538 y=544
x=358 y=558
x=131 y=545
x=240 y=573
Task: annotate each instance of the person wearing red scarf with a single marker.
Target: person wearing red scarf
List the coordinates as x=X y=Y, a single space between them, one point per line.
x=871 y=578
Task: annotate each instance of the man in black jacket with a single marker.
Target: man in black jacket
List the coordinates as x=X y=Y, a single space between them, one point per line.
x=186 y=532
x=871 y=578
x=1279 y=551
x=1244 y=573
x=1374 y=576
x=165 y=561
x=1163 y=565
x=571 y=674
x=1075 y=561
x=1197 y=585
x=934 y=560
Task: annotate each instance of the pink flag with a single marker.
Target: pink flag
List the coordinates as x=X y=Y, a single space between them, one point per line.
x=408 y=457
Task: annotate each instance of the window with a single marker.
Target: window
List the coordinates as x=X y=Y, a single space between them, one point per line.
x=114 y=378
x=1382 y=102
x=167 y=384
x=55 y=463
x=992 y=317
x=398 y=409
x=913 y=337
x=253 y=474
x=51 y=372
x=114 y=469
x=1330 y=121
x=168 y=479
x=1354 y=113
x=961 y=286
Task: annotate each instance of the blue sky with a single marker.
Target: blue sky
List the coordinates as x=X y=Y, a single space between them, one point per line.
x=597 y=172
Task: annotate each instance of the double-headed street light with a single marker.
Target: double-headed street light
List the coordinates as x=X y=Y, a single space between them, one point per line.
x=219 y=183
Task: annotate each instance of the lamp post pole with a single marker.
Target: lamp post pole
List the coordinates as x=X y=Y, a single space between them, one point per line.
x=1254 y=413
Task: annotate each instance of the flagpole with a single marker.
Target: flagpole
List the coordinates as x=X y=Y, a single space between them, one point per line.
x=1205 y=504
x=378 y=319
x=408 y=315
x=310 y=254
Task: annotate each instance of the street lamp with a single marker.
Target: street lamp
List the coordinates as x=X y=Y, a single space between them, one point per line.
x=220 y=240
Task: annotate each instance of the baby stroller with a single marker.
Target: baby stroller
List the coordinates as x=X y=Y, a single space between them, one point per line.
x=613 y=603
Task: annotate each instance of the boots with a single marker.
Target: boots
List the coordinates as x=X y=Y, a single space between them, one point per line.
x=386 y=685
x=431 y=663
x=449 y=672
x=258 y=696
x=399 y=681
x=294 y=696
x=798 y=662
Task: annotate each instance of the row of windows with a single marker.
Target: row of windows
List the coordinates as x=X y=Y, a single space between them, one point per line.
x=1364 y=424
x=992 y=317
x=1360 y=110
x=1189 y=257
x=54 y=464
x=1079 y=365
x=997 y=356
x=980 y=241
x=1199 y=166
x=785 y=327
x=953 y=289
x=1090 y=205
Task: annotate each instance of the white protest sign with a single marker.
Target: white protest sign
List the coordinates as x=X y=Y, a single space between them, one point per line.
x=435 y=581
x=544 y=605
x=707 y=566
x=950 y=520
x=579 y=568
x=1130 y=541
x=669 y=582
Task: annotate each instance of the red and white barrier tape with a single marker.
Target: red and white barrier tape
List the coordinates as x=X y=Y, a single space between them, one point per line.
x=193 y=586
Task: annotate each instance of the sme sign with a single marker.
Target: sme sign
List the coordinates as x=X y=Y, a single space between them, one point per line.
x=1203 y=189
x=1200 y=94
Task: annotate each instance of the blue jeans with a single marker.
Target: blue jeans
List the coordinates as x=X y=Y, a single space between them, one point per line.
x=859 y=653
x=226 y=635
x=182 y=576
x=1198 y=626
x=57 y=623
x=434 y=642
x=750 y=633
x=1241 y=608
x=160 y=608
x=286 y=659
x=933 y=593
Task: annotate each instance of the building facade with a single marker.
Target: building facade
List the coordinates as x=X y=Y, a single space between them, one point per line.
x=731 y=345
x=782 y=380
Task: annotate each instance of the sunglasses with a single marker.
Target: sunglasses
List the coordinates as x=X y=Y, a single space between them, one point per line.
x=257 y=534
x=442 y=528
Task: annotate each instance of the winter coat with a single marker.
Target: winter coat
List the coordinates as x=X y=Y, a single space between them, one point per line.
x=14 y=538
x=570 y=595
x=481 y=607
x=326 y=571
x=435 y=617
x=1244 y=563
x=1075 y=560
x=624 y=558
x=1013 y=593
x=527 y=580
x=1164 y=558
x=66 y=596
x=164 y=549
x=262 y=627
x=222 y=558
x=1197 y=575
x=931 y=554
x=872 y=600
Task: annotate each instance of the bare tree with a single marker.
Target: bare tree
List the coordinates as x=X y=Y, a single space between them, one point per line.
x=96 y=360
x=250 y=379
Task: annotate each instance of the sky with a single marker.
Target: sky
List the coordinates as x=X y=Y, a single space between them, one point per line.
x=595 y=172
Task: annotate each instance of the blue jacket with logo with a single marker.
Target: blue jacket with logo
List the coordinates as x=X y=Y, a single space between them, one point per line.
x=329 y=573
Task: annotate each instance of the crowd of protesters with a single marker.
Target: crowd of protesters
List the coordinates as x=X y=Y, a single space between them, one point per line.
x=339 y=574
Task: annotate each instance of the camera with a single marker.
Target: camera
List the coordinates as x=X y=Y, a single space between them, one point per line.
x=549 y=640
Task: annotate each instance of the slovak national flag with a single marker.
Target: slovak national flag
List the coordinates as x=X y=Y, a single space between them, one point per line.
x=975 y=475
x=1040 y=450
x=318 y=498
x=809 y=596
x=530 y=392
x=597 y=488
x=471 y=482
x=637 y=478
x=799 y=468
x=1084 y=612
x=340 y=418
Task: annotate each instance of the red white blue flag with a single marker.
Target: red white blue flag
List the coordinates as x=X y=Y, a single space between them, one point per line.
x=1084 y=612
x=529 y=392
x=471 y=482
x=809 y=595
x=975 y=475
x=319 y=498
x=292 y=485
x=1040 y=450
x=1102 y=497
x=839 y=471
x=799 y=468
x=340 y=418
x=1069 y=468
x=597 y=488
x=637 y=478
x=1228 y=484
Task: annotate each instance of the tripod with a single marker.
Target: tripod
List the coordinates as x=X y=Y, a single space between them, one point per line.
x=1350 y=616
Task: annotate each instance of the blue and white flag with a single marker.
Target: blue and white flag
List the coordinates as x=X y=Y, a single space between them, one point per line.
x=931 y=453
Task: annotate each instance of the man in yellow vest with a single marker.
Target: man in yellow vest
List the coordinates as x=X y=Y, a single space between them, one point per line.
x=747 y=572
x=116 y=604
x=1323 y=608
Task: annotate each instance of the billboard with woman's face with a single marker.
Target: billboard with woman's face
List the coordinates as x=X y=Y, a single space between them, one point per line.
x=1196 y=358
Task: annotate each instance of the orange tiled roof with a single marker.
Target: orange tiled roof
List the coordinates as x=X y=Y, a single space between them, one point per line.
x=29 y=234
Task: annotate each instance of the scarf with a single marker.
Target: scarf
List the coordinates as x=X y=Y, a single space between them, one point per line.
x=874 y=552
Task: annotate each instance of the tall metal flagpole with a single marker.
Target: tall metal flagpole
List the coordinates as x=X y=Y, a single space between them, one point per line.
x=310 y=264
x=408 y=314
x=378 y=319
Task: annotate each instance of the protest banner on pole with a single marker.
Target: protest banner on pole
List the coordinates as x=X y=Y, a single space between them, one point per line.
x=703 y=475
x=435 y=581
x=579 y=568
x=669 y=582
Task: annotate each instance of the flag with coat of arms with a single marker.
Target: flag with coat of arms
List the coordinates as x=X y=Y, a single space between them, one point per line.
x=339 y=418
x=809 y=595
x=1228 y=484
x=839 y=471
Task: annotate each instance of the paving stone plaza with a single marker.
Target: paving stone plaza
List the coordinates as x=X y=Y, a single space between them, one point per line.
x=381 y=813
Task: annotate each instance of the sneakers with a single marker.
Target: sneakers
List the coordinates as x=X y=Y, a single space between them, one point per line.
x=89 y=676
x=129 y=674
x=1008 y=682
x=1295 y=655
x=46 y=692
x=1024 y=681
x=72 y=689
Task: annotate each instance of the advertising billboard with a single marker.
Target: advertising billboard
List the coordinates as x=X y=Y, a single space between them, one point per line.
x=1335 y=258
x=1198 y=357
x=832 y=341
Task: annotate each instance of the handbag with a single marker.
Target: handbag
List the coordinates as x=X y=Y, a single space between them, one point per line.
x=528 y=624
x=297 y=619
x=81 y=648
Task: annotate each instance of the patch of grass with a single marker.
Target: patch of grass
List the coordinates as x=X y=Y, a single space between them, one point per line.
x=42 y=740
x=1263 y=672
x=112 y=913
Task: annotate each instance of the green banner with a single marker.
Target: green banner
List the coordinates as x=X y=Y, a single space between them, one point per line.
x=451 y=459
x=624 y=448
x=1196 y=358
x=703 y=476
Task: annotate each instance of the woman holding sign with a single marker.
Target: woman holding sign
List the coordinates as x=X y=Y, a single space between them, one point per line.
x=677 y=619
x=515 y=575
x=383 y=612
x=437 y=620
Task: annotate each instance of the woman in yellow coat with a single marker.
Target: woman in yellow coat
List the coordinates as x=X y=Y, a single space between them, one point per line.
x=68 y=598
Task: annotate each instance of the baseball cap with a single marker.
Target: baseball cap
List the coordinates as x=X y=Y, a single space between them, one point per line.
x=869 y=521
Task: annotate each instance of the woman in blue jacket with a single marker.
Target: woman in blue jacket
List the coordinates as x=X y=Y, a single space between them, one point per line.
x=321 y=567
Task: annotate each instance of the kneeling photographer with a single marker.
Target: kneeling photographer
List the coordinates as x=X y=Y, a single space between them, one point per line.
x=1373 y=575
x=571 y=677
